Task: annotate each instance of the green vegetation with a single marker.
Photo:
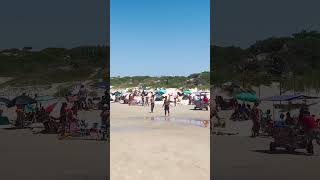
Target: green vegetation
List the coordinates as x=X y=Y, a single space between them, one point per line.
x=294 y=61
x=53 y=65
x=200 y=80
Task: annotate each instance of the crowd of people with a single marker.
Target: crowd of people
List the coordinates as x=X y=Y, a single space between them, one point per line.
x=263 y=122
x=148 y=99
x=68 y=121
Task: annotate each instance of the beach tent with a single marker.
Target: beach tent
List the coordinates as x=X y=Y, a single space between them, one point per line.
x=248 y=97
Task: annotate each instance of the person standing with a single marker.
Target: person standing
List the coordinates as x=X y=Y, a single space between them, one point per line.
x=255 y=116
x=142 y=98
x=166 y=105
x=152 y=103
x=129 y=101
x=147 y=100
x=63 y=118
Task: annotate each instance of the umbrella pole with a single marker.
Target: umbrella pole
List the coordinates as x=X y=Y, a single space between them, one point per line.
x=273 y=110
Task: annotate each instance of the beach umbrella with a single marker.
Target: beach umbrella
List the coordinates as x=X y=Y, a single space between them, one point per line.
x=248 y=97
x=161 y=92
x=187 y=92
x=22 y=100
x=117 y=93
x=54 y=109
x=44 y=98
x=4 y=101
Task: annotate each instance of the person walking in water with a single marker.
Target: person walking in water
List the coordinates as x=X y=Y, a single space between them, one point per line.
x=166 y=104
x=152 y=103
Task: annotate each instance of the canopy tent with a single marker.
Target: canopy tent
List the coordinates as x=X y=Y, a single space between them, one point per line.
x=288 y=98
x=248 y=97
x=44 y=98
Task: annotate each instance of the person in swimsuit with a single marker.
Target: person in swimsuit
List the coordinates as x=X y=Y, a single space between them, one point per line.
x=152 y=103
x=166 y=105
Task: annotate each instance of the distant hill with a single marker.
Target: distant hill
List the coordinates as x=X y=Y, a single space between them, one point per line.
x=200 y=80
x=52 y=65
x=294 y=61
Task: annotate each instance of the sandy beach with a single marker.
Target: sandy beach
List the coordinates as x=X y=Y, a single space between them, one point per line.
x=25 y=155
x=145 y=146
x=242 y=157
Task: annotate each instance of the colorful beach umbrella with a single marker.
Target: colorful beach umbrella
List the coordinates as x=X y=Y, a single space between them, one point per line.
x=54 y=109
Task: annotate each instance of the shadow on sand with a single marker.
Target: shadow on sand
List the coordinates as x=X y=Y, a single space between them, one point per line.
x=283 y=151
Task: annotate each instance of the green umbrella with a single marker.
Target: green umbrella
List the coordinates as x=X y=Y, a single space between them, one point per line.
x=187 y=92
x=248 y=97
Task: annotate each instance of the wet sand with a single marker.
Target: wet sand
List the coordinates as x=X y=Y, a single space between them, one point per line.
x=25 y=155
x=146 y=149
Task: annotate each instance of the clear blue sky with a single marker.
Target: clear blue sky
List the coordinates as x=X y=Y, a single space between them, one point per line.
x=53 y=23
x=159 y=37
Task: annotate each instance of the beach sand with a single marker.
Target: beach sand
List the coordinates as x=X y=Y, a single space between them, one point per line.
x=242 y=157
x=25 y=155
x=146 y=149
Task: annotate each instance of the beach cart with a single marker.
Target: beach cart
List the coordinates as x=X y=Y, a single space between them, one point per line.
x=290 y=139
x=199 y=104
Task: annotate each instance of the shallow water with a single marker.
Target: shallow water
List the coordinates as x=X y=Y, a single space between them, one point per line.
x=164 y=119
x=128 y=129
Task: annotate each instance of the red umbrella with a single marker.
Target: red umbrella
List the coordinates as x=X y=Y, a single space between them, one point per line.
x=51 y=107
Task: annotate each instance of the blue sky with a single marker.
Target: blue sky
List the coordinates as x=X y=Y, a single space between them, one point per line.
x=159 y=37
x=58 y=23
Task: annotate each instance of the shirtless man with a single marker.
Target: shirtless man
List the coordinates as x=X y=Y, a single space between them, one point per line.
x=166 y=105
